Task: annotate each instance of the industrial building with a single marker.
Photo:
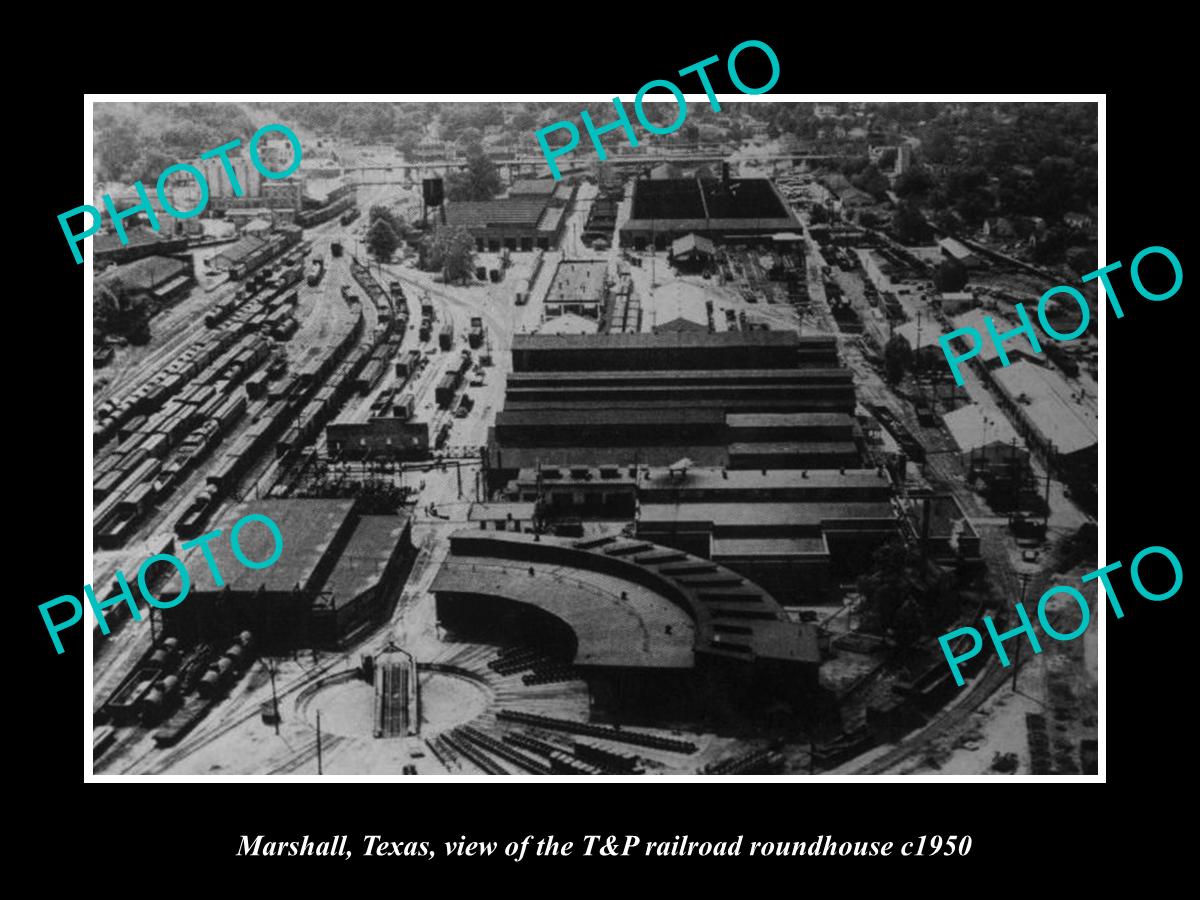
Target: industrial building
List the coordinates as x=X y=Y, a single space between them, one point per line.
x=531 y=217
x=161 y=278
x=987 y=441
x=337 y=572
x=249 y=252
x=141 y=242
x=648 y=628
x=728 y=209
x=795 y=533
x=596 y=401
x=579 y=287
x=1057 y=419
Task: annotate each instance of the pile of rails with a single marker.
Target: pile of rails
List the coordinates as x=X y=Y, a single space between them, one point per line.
x=754 y=762
x=585 y=759
x=611 y=733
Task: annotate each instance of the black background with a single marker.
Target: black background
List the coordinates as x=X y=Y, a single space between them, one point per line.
x=189 y=833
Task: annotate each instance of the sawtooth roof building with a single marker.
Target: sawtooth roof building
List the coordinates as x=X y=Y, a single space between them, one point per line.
x=728 y=209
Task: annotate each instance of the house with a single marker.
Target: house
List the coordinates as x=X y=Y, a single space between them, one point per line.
x=692 y=252
x=985 y=438
x=955 y=302
x=959 y=252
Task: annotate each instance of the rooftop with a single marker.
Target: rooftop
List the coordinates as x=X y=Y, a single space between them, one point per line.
x=308 y=528
x=362 y=564
x=482 y=213
x=954 y=248
x=107 y=241
x=577 y=280
x=707 y=199
x=535 y=187
x=617 y=622
x=725 y=547
x=644 y=340
x=701 y=478
x=147 y=273
x=692 y=242
x=1062 y=415
x=790 y=420
x=972 y=428
x=778 y=515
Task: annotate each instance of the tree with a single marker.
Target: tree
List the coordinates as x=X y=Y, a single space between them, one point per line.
x=691 y=133
x=382 y=240
x=908 y=225
x=117 y=149
x=480 y=181
x=118 y=310
x=937 y=146
x=871 y=180
x=887 y=159
x=949 y=276
x=469 y=138
x=382 y=212
x=818 y=215
x=897 y=358
x=905 y=595
x=451 y=249
x=916 y=182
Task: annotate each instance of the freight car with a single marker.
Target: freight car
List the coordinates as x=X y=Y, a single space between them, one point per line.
x=446 y=388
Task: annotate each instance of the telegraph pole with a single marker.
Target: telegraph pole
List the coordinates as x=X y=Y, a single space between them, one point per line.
x=1024 y=576
x=274 y=697
x=319 y=772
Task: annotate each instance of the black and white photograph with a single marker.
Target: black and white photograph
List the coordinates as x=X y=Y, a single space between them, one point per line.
x=464 y=438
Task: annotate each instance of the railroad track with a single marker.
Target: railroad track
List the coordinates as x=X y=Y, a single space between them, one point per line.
x=198 y=740
x=306 y=754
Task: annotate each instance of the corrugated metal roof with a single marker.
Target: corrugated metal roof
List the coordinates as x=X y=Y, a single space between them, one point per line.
x=643 y=340
x=972 y=428
x=482 y=213
x=1051 y=406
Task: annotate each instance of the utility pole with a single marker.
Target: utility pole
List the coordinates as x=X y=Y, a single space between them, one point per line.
x=1024 y=576
x=1049 y=457
x=458 y=472
x=319 y=772
x=274 y=697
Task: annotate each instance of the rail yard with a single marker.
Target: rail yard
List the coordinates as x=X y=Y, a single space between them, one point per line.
x=612 y=501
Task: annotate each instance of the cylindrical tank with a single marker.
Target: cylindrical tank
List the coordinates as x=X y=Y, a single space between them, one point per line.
x=152 y=704
x=169 y=685
x=236 y=655
x=170 y=644
x=245 y=639
x=158 y=659
x=223 y=668
x=209 y=683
